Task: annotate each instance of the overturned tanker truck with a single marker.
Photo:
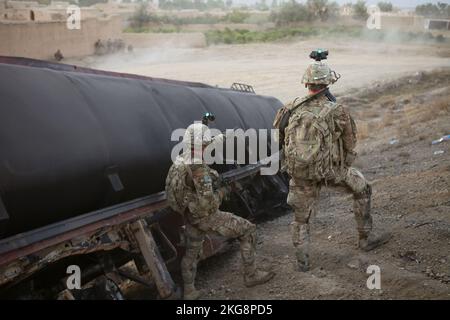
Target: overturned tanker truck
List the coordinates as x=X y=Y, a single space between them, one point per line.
x=83 y=160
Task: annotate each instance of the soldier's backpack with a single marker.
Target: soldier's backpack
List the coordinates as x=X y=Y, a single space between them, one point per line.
x=281 y=120
x=176 y=186
x=309 y=142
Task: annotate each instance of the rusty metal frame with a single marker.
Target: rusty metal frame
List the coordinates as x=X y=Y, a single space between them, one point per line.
x=166 y=240
x=242 y=87
x=27 y=243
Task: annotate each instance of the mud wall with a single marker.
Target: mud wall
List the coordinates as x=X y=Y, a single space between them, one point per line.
x=41 y=40
x=406 y=23
x=223 y=26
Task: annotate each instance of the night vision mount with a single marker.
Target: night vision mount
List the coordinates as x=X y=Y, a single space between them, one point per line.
x=207 y=117
x=319 y=54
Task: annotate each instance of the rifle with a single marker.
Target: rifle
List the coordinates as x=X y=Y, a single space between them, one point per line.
x=231 y=176
x=229 y=181
x=239 y=173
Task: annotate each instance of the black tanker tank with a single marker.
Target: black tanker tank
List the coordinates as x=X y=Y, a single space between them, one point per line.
x=65 y=133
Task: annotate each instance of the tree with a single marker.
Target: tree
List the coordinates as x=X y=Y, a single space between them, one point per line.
x=262 y=5
x=237 y=16
x=360 y=10
x=439 y=10
x=291 y=12
x=87 y=3
x=141 y=17
x=199 y=4
x=318 y=8
x=214 y=4
x=385 y=6
x=274 y=3
x=333 y=10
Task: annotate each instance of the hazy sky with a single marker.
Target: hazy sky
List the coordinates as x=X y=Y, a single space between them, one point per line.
x=400 y=3
x=397 y=3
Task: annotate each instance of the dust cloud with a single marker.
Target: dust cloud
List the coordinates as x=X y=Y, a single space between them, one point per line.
x=275 y=68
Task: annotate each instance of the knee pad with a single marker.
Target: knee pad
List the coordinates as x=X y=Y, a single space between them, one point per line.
x=365 y=194
x=300 y=233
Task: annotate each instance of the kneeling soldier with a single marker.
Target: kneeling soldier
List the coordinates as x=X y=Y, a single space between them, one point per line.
x=190 y=189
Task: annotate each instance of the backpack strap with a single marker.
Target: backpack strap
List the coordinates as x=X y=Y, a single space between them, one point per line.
x=298 y=102
x=291 y=107
x=190 y=175
x=185 y=213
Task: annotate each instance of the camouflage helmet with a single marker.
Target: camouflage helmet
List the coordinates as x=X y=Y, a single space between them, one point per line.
x=197 y=134
x=319 y=73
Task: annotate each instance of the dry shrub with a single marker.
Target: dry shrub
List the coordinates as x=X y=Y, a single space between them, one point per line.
x=369 y=114
x=428 y=112
x=405 y=128
x=441 y=105
x=363 y=130
x=387 y=121
x=404 y=154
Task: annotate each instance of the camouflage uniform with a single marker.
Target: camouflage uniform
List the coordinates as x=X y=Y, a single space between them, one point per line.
x=203 y=216
x=335 y=168
x=203 y=198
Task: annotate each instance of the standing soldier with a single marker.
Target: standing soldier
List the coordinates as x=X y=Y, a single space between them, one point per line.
x=191 y=189
x=58 y=55
x=320 y=137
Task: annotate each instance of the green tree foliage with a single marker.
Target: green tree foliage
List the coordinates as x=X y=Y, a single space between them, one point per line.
x=360 y=10
x=142 y=17
x=290 y=13
x=237 y=16
x=200 y=5
x=215 y=4
x=431 y=10
x=318 y=9
x=293 y=12
x=385 y=6
x=192 y=4
x=262 y=5
x=86 y=3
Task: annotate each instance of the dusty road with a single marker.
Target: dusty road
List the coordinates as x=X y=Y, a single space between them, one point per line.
x=275 y=69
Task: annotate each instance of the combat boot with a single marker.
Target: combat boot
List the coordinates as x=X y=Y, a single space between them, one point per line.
x=372 y=240
x=301 y=239
x=257 y=277
x=190 y=293
x=302 y=260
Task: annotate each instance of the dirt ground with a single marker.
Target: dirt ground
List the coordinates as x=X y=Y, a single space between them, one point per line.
x=399 y=95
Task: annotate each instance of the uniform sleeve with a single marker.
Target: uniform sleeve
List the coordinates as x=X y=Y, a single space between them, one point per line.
x=348 y=128
x=204 y=197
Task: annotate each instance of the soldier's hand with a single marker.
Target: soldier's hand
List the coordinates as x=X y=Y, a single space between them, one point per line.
x=225 y=192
